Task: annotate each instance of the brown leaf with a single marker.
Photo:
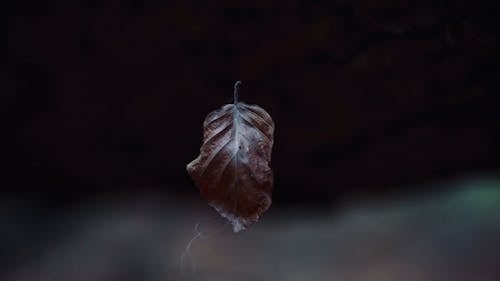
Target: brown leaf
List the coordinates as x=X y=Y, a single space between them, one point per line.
x=232 y=170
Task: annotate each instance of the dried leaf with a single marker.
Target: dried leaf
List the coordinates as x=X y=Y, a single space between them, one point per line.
x=232 y=170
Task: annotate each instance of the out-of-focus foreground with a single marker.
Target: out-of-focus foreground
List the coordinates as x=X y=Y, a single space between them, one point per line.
x=448 y=235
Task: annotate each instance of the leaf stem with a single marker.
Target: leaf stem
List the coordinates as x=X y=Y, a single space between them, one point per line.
x=236 y=91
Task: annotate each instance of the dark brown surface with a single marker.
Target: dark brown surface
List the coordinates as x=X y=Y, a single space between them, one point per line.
x=104 y=96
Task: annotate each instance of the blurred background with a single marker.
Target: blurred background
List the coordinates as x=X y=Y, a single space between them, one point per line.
x=386 y=155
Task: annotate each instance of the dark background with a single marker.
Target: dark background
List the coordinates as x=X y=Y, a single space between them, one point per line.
x=383 y=111
x=104 y=97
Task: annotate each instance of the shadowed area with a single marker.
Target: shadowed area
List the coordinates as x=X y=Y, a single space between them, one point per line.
x=366 y=95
